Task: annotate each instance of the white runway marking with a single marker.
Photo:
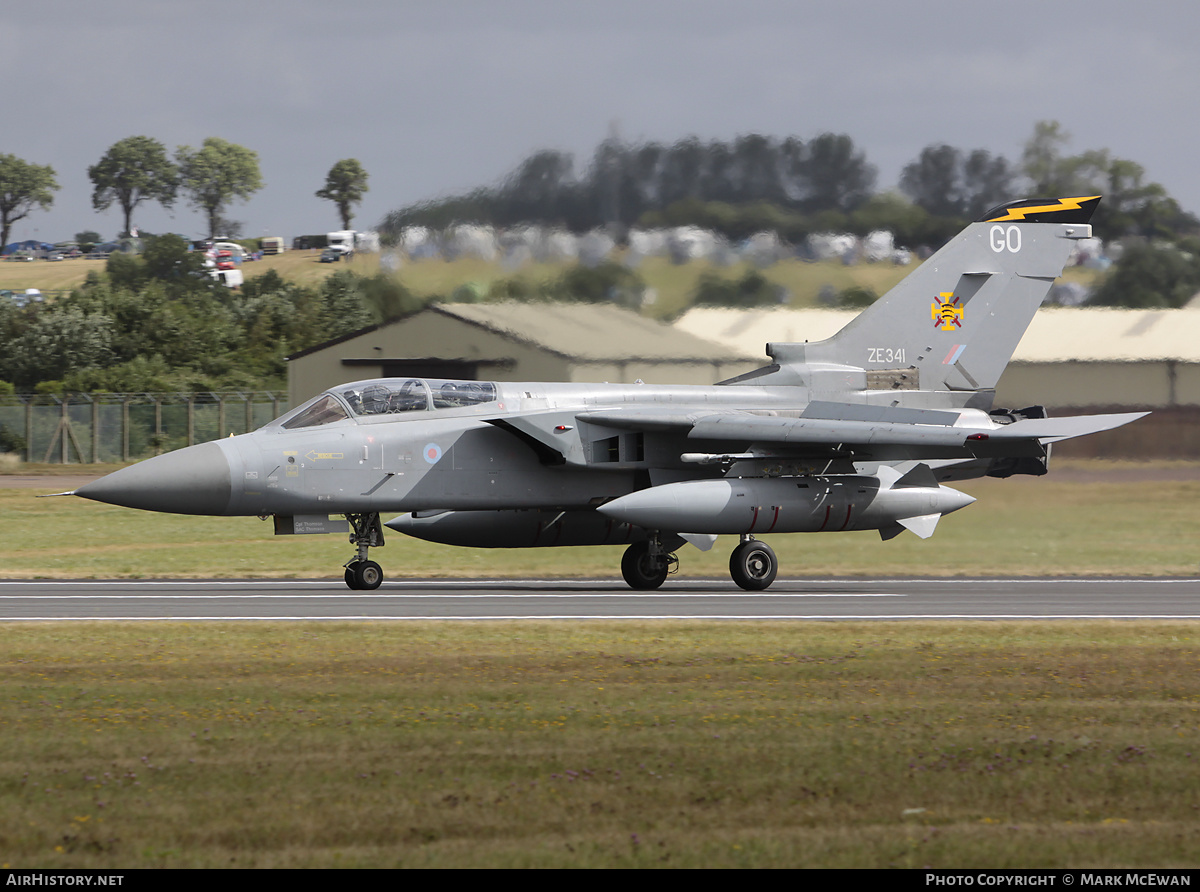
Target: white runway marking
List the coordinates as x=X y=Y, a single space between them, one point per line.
x=415 y=599
x=449 y=596
x=501 y=583
x=603 y=616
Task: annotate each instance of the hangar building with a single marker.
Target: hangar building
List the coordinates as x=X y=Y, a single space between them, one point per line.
x=518 y=342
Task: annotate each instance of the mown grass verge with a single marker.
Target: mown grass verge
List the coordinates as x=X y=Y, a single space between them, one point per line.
x=599 y=744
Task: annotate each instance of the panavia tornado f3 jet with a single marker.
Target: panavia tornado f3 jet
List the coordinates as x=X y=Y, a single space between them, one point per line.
x=856 y=432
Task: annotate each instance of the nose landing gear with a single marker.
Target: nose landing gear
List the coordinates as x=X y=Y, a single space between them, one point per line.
x=365 y=531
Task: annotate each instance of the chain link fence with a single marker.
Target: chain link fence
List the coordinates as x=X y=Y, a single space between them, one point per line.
x=116 y=427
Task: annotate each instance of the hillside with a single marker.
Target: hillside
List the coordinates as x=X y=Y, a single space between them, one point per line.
x=670 y=286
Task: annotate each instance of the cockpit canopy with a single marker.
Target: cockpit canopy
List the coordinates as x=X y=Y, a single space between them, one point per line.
x=388 y=396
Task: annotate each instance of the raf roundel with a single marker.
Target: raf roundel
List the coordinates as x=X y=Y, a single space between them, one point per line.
x=433 y=453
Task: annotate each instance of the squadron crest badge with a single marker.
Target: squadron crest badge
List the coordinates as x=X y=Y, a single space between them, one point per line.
x=946 y=315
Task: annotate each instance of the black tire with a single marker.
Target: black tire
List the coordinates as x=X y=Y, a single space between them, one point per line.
x=367 y=575
x=350 y=581
x=753 y=566
x=643 y=571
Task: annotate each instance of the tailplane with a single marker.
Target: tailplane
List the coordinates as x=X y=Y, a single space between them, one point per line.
x=954 y=322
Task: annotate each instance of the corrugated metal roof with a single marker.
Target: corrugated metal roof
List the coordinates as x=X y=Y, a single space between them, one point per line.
x=1097 y=334
x=598 y=332
x=1055 y=335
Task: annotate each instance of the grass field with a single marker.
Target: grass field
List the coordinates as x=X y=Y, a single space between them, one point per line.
x=673 y=285
x=543 y=744
x=1092 y=518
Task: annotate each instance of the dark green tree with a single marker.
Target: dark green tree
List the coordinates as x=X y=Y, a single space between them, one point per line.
x=125 y=270
x=57 y=340
x=1131 y=206
x=1150 y=276
x=167 y=258
x=756 y=170
x=839 y=177
x=343 y=307
x=345 y=185
x=88 y=239
x=681 y=175
x=218 y=173
x=753 y=289
x=542 y=188
x=934 y=180
x=987 y=180
x=1041 y=160
x=132 y=171
x=23 y=187
x=947 y=182
x=910 y=224
x=606 y=282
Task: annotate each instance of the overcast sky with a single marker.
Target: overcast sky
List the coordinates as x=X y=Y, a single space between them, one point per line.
x=435 y=98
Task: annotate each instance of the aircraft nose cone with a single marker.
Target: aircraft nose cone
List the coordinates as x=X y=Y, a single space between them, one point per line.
x=195 y=480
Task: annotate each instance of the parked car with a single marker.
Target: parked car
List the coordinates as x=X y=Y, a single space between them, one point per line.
x=334 y=253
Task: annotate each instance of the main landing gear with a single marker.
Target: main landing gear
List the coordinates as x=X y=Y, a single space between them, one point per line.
x=645 y=565
x=752 y=565
x=365 y=530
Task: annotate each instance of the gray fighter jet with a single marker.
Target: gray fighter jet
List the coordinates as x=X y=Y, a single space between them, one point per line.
x=859 y=431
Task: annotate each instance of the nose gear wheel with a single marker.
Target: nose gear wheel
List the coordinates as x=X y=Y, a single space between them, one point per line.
x=363 y=574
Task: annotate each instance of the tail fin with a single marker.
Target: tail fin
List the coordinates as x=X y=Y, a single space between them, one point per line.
x=956 y=320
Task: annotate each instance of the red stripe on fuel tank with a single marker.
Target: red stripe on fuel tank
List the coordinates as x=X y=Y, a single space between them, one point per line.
x=775 y=520
x=826 y=520
x=849 y=508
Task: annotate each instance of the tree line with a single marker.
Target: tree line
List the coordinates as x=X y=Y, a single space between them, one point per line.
x=158 y=322
x=625 y=182
x=796 y=187
x=138 y=169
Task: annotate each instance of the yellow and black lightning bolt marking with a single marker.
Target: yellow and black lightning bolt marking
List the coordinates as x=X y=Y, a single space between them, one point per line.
x=1044 y=210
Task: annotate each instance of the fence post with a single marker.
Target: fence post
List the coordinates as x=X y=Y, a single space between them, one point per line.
x=191 y=419
x=125 y=428
x=158 y=424
x=64 y=433
x=220 y=416
x=64 y=425
x=95 y=430
x=29 y=430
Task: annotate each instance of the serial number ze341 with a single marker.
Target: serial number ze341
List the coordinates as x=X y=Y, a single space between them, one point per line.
x=885 y=354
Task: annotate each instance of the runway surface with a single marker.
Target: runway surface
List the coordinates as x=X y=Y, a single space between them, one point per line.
x=510 y=599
